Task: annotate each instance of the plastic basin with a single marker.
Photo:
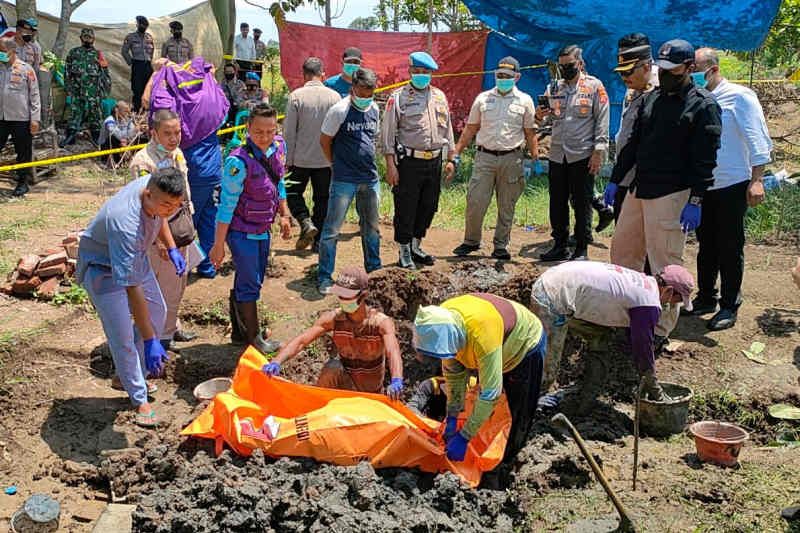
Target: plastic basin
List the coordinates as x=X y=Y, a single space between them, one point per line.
x=718 y=442
x=662 y=419
x=210 y=388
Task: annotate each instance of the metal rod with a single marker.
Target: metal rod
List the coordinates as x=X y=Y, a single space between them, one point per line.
x=625 y=524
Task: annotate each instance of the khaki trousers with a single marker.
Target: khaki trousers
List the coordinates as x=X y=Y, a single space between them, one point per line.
x=172 y=288
x=503 y=176
x=651 y=228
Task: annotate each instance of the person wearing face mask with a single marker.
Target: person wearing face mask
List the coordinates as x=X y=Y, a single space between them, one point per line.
x=348 y=139
x=365 y=341
x=253 y=193
x=351 y=62
x=244 y=49
x=137 y=51
x=234 y=90
x=114 y=269
x=87 y=82
x=28 y=50
x=673 y=145
x=745 y=147
x=254 y=94
x=416 y=136
x=177 y=48
x=163 y=151
x=579 y=111
x=20 y=108
x=119 y=129
x=261 y=46
x=501 y=120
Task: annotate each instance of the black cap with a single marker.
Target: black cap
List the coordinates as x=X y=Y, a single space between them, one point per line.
x=141 y=19
x=175 y=25
x=509 y=64
x=675 y=53
x=256 y=30
x=351 y=52
x=627 y=58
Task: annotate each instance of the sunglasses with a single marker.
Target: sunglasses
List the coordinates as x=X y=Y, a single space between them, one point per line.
x=630 y=72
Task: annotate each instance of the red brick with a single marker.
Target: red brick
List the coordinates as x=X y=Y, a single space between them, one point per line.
x=54 y=270
x=27 y=265
x=26 y=285
x=70 y=239
x=53 y=259
x=72 y=250
x=48 y=287
x=51 y=251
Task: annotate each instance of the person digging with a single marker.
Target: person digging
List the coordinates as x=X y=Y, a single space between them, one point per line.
x=590 y=298
x=364 y=338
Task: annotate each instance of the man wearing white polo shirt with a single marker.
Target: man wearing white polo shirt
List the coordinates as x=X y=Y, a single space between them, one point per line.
x=745 y=148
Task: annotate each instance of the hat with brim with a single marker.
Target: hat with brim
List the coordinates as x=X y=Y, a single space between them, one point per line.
x=672 y=54
x=628 y=58
x=681 y=281
x=438 y=332
x=350 y=283
x=508 y=65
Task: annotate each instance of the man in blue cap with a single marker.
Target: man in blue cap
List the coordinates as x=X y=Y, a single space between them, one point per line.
x=416 y=131
x=674 y=146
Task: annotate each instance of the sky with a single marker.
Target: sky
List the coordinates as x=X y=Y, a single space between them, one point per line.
x=110 y=11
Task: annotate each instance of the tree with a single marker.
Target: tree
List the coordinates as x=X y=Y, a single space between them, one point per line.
x=364 y=23
x=26 y=9
x=451 y=14
x=67 y=8
x=279 y=8
x=225 y=13
x=782 y=46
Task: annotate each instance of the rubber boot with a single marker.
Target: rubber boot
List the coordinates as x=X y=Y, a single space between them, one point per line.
x=558 y=252
x=595 y=372
x=307 y=233
x=237 y=337
x=22 y=187
x=405 y=257
x=69 y=138
x=251 y=328
x=651 y=388
x=418 y=255
x=95 y=137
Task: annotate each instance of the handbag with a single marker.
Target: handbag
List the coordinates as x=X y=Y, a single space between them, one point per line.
x=181 y=226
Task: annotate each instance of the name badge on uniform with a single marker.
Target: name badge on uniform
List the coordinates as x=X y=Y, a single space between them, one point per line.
x=164 y=163
x=516 y=109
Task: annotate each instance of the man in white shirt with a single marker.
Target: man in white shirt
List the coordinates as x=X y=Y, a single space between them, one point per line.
x=244 y=50
x=745 y=148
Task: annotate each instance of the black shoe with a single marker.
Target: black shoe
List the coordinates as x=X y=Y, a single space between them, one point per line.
x=579 y=255
x=501 y=254
x=606 y=218
x=426 y=259
x=183 y=335
x=20 y=190
x=466 y=249
x=701 y=306
x=791 y=514
x=404 y=259
x=572 y=241
x=556 y=253
x=726 y=318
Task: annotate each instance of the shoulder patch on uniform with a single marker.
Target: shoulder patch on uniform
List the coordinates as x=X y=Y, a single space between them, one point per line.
x=234 y=170
x=143 y=172
x=102 y=59
x=601 y=91
x=390 y=103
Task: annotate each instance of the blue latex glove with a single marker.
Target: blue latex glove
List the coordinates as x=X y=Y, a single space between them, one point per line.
x=609 y=194
x=395 y=389
x=271 y=369
x=177 y=261
x=450 y=428
x=457 y=447
x=154 y=356
x=690 y=217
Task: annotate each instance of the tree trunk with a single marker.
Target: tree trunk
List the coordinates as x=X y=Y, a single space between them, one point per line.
x=384 y=20
x=63 y=27
x=225 y=13
x=395 y=15
x=26 y=9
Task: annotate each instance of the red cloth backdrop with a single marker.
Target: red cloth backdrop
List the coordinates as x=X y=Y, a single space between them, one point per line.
x=387 y=54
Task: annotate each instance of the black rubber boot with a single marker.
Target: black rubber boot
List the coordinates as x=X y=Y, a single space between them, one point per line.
x=558 y=252
x=236 y=325
x=405 y=260
x=251 y=328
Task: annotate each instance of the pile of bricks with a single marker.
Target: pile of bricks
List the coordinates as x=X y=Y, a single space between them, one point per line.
x=44 y=273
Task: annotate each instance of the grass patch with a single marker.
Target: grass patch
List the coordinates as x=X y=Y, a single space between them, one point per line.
x=724 y=405
x=778 y=217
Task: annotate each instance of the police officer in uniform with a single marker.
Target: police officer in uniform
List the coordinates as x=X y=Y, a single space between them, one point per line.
x=580 y=113
x=177 y=48
x=415 y=132
x=137 y=50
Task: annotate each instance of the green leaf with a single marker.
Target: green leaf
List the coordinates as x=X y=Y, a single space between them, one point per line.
x=784 y=411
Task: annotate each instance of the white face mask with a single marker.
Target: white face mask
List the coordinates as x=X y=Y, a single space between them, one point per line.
x=349 y=306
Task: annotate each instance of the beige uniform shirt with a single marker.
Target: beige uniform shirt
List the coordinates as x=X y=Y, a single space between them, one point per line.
x=580 y=115
x=150 y=158
x=178 y=51
x=305 y=112
x=417 y=119
x=19 y=93
x=30 y=53
x=630 y=110
x=502 y=118
x=138 y=47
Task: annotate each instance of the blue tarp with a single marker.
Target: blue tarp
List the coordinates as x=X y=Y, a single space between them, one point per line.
x=534 y=30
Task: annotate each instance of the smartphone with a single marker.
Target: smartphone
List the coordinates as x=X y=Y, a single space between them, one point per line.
x=544 y=101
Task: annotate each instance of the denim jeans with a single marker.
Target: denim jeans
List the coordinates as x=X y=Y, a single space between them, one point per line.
x=367 y=196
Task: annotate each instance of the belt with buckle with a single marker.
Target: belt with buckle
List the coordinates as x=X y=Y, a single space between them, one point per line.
x=497 y=152
x=422 y=154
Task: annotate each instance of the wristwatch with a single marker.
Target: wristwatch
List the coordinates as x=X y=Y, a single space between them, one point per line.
x=696 y=200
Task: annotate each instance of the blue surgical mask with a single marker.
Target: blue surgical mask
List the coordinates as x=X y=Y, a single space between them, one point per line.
x=350 y=68
x=349 y=306
x=361 y=103
x=420 y=81
x=699 y=79
x=504 y=84
x=3 y=57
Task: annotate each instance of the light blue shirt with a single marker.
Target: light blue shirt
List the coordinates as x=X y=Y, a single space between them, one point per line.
x=118 y=237
x=233 y=175
x=745 y=141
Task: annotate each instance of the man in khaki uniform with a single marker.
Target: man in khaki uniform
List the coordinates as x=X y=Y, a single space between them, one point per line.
x=416 y=130
x=163 y=152
x=503 y=119
x=28 y=50
x=580 y=113
x=177 y=48
x=305 y=112
x=20 y=108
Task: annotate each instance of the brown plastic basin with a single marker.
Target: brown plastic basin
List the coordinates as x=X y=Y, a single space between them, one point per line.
x=718 y=442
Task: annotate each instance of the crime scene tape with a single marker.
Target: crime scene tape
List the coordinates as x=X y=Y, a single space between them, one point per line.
x=101 y=153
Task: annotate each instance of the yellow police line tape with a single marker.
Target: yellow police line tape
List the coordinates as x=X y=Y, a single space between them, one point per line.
x=101 y=153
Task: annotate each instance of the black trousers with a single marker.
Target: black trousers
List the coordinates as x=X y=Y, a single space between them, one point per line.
x=721 y=239
x=245 y=67
x=320 y=186
x=571 y=184
x=20 y=132
x=522 y=384
x=416 y=197
x=140 y=74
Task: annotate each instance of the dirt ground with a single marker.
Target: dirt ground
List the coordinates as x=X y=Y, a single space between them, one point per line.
x=65 y=432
